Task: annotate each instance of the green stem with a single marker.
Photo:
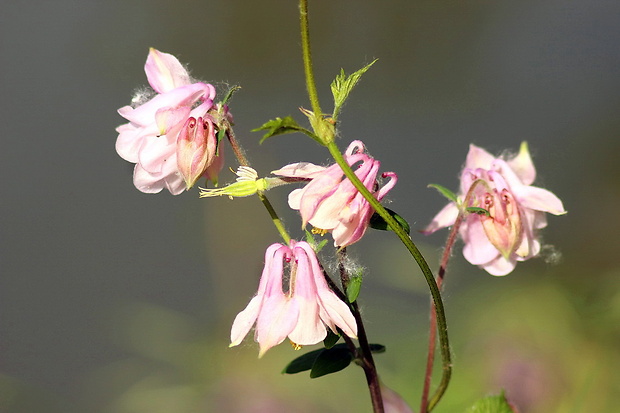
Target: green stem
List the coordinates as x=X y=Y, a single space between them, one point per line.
x=415 y=253
x=275 y=218
x=307 y=55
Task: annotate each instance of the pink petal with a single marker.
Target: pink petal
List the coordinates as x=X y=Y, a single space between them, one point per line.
x=523 y=166
x=540 y=200
x=155 y=152
x=245 y=320
x=478 y=250
x=500 y=266
x=446 y=217
x=147 y=182
x=129 y=142
x=276 y=320
x=478 y=158
x=300 y=170
x=165 y=72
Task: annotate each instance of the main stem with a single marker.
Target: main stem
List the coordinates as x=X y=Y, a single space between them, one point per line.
x=442 y=326
x=398 y=230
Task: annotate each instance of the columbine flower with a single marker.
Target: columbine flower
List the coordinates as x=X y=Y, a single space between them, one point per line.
x=330 y=202
x=507 y=233
x=299 y=309
x=150 y=138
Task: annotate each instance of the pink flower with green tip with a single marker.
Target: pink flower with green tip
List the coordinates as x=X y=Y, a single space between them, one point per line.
x=330 y=202
x=293 y=300
x=150 y=138
x=508 y=232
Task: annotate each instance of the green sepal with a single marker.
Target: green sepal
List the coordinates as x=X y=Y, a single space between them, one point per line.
x=376 y=348
x=331 y=339
x=491 y=404
x=477 y=210
x=445 y=192
x=316 y=246
x=331 y=361
x=281 y=126
x=353 y=288
x=229 y=94
x=302 y=363
x=377 y=222
x=342 y=86
x=326 y=360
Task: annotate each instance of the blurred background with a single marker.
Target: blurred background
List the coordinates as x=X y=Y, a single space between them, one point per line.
x=114 y=301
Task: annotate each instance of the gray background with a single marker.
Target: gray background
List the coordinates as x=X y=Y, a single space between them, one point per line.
x=99 y=283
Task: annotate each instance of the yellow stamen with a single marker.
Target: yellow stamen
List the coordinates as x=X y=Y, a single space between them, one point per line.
x=319 y=231
x=295 y=345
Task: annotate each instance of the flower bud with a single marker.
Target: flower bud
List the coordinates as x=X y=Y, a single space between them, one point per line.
x=196 y=149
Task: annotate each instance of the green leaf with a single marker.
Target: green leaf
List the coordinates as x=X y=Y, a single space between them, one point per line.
x=445 y=192
x=353 y=288
x=330 y=361
x=377 y=222
x=331 y=339
x=281 y=126
x=377 y=348
x=342 y=86
x=302 y=363
x=491 y=404
x=477 y=210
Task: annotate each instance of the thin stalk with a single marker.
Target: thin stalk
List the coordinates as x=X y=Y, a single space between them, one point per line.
x=243 y=161
x=367 y=361
x=426 y=405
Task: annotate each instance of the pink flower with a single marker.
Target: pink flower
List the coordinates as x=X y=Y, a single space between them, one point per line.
x=330 y=202
x=516 y=210
x=300 y=309
x=150 y=138
x=392 y=402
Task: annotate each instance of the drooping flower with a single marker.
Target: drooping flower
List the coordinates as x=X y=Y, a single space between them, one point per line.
x=515 y=210
x=330 y=202
x=150 y=139
x=294 y=301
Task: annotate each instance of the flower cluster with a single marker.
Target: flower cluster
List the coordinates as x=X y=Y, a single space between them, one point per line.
x=299 y=308
x=172 y=136
x=515 y=210
x=330 y=202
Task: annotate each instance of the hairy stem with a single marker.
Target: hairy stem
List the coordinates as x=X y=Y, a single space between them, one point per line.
x=307 y=56
x=367 y=361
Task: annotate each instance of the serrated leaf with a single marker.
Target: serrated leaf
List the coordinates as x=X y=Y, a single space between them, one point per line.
x=491 y=404
x=445 y=192
x=353 y=288
x=377 y=222
x=377 y=348
x=342 y=86
x=281 y=126
x=331 y=339
x=302 y=363
x=331 y=361
x=477 y=210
